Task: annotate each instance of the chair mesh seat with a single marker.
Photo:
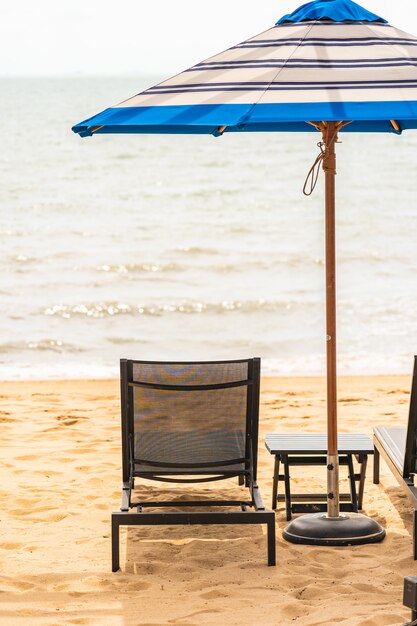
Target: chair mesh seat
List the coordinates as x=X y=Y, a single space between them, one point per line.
x=192 y=426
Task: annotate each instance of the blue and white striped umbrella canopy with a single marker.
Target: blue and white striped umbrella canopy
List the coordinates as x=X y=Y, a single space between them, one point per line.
x=330 y=60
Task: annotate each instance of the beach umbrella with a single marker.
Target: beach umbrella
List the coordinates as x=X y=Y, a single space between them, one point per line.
x=331 y=66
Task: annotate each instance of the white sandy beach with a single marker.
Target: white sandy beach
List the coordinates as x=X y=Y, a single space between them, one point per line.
x=61 y=480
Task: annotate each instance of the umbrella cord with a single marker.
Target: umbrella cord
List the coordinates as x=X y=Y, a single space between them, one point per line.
x=314 y=171
x=321 y=159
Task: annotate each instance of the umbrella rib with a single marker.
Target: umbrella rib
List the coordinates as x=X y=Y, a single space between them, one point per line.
x=394 y=123
x=396 y=126
x=241 y=121
x=394 y=47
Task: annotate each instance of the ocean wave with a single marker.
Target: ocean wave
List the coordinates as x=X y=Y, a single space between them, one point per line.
x=23 y=258
x=13 y=232
x=43 y=345
x=125 y=156
x=196 y=250
x=374 y=258
x=296 y=260
x=123 y=341
x=112 y=309
x=138 y=268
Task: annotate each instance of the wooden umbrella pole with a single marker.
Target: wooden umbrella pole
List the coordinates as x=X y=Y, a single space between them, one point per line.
x=329 y=131
x=331 y=529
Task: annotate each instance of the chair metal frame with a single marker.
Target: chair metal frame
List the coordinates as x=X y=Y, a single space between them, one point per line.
x=191 y=473
x=405 y=477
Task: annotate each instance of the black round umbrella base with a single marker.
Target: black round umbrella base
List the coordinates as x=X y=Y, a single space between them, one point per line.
x=348 y=529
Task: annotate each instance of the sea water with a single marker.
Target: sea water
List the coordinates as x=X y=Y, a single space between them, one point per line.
x=191 y=247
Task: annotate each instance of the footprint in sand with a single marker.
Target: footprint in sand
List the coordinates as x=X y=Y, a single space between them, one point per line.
x=30 y=548
x=180 y=620
x=383 y=619
x=212 y=595
x=44 y=395
x=10 y=545
x=20 y=585
x=365 y=588
x=46 y=473
x=57 y=517
x=69 y=420
x=41 y=514
x=295 y=610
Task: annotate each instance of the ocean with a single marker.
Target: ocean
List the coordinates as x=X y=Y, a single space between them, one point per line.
x=182 y=247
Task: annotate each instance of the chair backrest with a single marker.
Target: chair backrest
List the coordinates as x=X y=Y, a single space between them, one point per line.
x=188 y=416
x=410 y=455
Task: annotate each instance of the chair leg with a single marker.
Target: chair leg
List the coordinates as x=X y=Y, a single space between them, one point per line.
x=415 y=534
x=271 y=543
x=115 y=548
x=287 y=488
x=376 y=466
x=352 y=483
x=364 y=463
x=275 y=483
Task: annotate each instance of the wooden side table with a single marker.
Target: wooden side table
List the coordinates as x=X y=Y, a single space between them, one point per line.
x=310 y=449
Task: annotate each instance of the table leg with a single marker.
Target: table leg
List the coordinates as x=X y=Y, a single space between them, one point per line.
x=376 y=466
x=287 y=487
x=352 y=483
x=364 y=463
x=275 y=483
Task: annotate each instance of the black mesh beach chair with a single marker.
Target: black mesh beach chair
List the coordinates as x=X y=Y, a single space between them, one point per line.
x=190 y=423
x=398 y=447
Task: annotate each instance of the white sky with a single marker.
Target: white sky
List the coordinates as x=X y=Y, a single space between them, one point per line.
x=55 y=37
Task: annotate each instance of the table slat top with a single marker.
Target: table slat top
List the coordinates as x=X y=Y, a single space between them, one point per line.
x=316 y=443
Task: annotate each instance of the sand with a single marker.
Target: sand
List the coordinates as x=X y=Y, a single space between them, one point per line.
x=60 y=481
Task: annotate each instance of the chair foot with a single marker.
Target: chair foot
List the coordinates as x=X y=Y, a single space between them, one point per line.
x=271 y=543
x=115 y=546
